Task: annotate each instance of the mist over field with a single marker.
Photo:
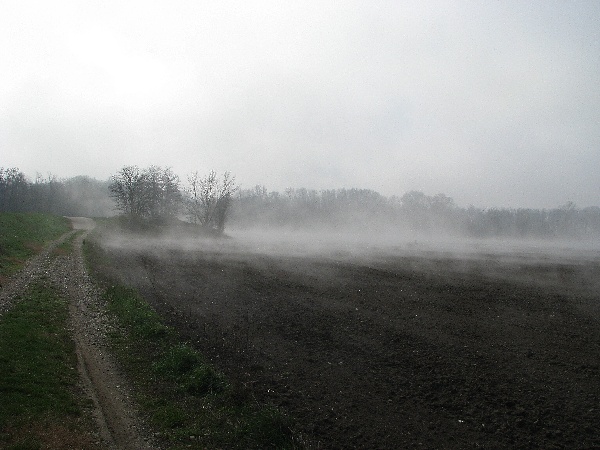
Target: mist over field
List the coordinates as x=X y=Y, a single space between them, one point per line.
x=530 y=261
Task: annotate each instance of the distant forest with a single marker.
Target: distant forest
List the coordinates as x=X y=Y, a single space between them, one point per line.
x=77 y=196
x=340 y=209
x=367 y=210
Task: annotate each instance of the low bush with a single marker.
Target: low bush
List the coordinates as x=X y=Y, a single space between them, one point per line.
x=203 y=380
x=178 y=361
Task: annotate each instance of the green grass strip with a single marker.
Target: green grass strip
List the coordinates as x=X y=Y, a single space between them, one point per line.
x=38 y=374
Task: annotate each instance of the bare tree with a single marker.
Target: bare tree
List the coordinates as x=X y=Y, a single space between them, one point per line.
x=209 y=199
x=193 y=204
x=223 y=203
x=171 y=199
x=161 y=194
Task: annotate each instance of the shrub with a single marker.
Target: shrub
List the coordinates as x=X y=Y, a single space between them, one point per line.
x=178 y=361
x=203 y=380
x=182 y=364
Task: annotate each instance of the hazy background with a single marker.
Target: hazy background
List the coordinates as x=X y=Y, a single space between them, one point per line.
x=491 y=103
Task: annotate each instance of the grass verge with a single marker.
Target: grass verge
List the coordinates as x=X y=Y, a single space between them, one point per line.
x=188 y=401
x=24 y=234
x=41 y=404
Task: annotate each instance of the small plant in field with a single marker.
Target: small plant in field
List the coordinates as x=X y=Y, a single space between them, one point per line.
x=184 y=365
x=169 y=416
x=203 y=380
x=178 y=360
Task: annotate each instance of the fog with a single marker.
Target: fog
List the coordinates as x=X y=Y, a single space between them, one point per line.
x=559 y=267
x=491 y=103
x=361 y=248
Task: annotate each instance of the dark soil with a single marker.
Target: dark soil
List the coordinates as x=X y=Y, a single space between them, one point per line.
x=420 y=350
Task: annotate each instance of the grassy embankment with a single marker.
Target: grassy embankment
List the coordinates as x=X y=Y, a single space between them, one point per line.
x=189 y=402
x=41 y=406
x=23 y=235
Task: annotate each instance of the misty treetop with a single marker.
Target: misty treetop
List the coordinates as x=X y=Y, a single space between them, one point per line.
x=151 y=194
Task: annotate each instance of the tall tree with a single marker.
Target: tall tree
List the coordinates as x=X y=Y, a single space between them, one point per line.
x=223 y=203
x=126 y=190
x=149 y=194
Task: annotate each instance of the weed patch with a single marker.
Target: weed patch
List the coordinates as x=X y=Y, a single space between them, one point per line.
x=134 y=313
x=177 y=361
x=183 y=365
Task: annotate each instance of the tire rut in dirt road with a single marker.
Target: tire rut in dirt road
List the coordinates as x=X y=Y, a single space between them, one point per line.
x=118 y=421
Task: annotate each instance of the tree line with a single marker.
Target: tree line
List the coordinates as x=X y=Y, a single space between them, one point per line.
x=152 y=195
x=416 y=212
x=77 y=196
x=157 y=195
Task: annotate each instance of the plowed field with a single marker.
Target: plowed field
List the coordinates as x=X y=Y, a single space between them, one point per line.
x=393 y=349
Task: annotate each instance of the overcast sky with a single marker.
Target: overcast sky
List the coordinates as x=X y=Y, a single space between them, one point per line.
x=493 y=103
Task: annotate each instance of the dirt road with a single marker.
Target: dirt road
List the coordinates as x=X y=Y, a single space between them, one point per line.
x=119 y=425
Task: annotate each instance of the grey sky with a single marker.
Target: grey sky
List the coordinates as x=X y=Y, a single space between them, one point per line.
x=493 y=103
